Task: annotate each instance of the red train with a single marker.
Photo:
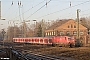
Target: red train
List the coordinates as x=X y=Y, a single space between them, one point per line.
x=55 y=40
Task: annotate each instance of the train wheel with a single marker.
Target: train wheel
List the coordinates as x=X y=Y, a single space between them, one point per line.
x=53 y=45
x=72 y=45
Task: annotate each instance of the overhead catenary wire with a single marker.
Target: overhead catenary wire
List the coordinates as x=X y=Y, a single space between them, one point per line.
x=46 y=14
x=39 y=9
x=75 y=15
x=19 y=5
x=30 y=9
x=84 y=13
x=64 y=9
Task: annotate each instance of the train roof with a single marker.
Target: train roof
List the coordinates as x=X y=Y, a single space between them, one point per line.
x=41 y=37
x=33 y=37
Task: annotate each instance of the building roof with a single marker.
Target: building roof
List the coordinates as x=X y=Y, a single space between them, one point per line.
x=58 y=23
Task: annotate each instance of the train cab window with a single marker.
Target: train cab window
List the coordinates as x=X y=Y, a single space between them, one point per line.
x=69 y=38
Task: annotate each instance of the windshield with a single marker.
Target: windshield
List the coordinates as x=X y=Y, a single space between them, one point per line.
x=70 y=38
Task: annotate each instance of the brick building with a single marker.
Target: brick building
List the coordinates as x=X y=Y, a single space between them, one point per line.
x=67 y=28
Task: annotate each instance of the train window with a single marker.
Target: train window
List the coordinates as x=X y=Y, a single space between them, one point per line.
x=32 y=40
x=19 y=40
x=29 y=40
x=23 y=39
x=46 y=40
x=41 y=40
x=37 y=40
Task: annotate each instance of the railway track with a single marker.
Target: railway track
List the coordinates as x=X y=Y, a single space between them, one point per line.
x=23 y=54
x=33 y=56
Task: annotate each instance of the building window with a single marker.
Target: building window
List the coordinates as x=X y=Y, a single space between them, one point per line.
x=71 y=26
x=68 y=33
x=81 y=33
x=61 y=33
x=74 y=26
x=68 y=26
x=74 y=32
x=52 y=32
x=89 y=32
x=46 y=33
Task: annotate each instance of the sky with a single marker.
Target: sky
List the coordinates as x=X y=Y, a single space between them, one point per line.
x=41 y=9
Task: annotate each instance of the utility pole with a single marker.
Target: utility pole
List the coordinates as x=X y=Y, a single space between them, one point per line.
x=43 y=28
x=14 y=29
x=78 y=29
x=24 y=28
x=35 y=21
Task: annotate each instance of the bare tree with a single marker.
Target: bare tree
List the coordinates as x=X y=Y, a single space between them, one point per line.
x=85 y=22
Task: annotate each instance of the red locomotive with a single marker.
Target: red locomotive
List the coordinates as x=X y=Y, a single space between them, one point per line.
x=55 y=40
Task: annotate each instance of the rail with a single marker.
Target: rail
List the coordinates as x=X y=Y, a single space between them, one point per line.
x=16 y=54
